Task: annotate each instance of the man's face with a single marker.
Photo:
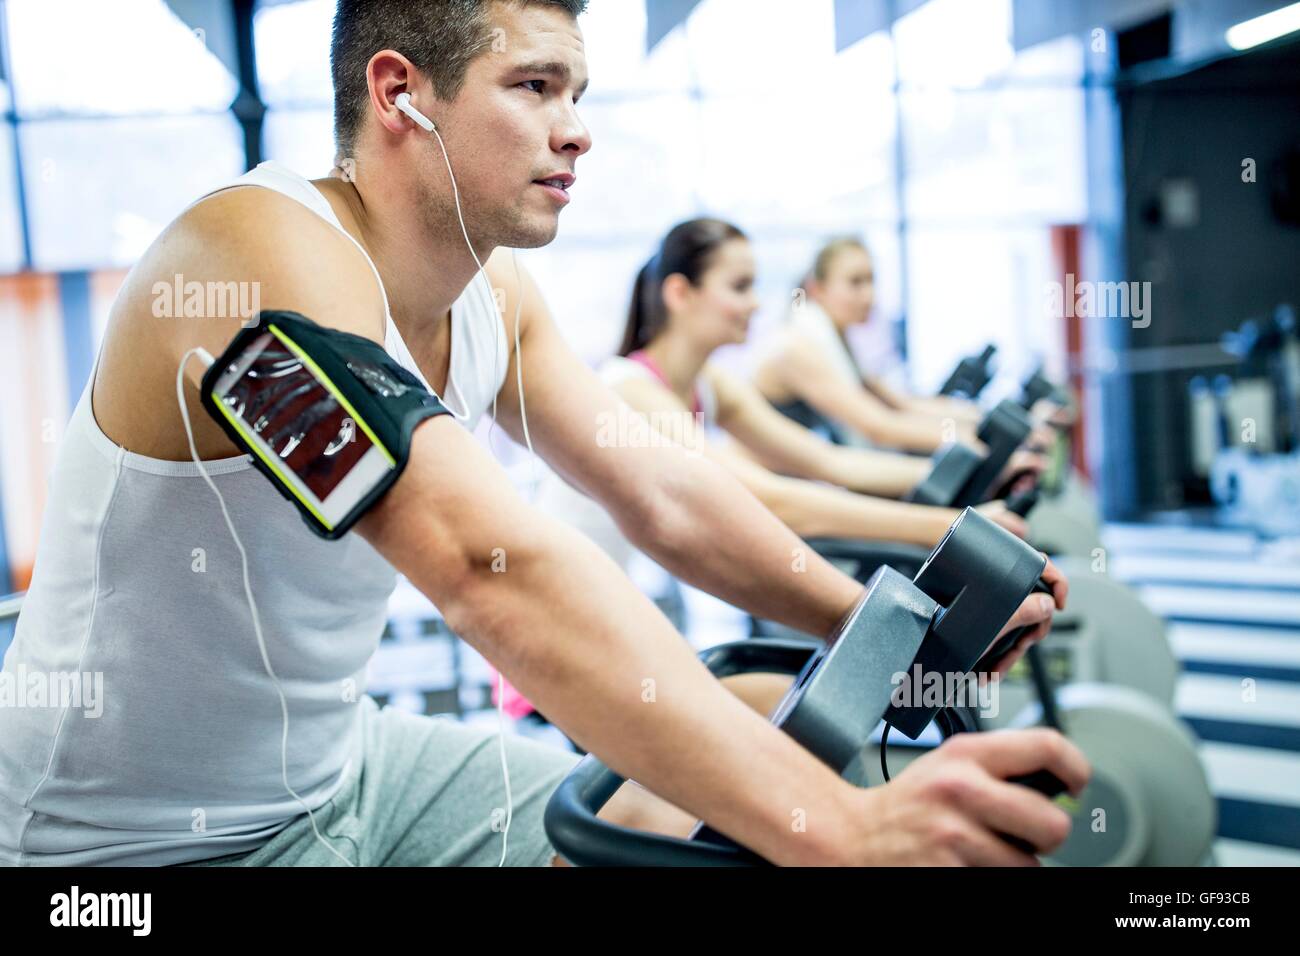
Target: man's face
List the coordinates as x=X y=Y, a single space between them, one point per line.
x=515 y=125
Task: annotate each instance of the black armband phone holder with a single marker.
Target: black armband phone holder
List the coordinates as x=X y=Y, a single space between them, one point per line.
x=326 y=415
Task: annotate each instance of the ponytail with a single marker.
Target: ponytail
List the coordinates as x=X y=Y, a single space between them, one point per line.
x=645 y=314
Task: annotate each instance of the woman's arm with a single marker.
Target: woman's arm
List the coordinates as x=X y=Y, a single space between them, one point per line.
x=936 y=406
x=788 y=448
x=809 y=377
x=809 y=509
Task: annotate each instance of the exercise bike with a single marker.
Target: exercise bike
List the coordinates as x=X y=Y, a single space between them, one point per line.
x=942 y=622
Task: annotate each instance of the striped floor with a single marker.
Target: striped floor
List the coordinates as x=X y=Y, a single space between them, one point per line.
x=1233 y=608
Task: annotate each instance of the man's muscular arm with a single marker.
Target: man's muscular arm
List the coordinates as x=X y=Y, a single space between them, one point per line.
x=566 y=626
x=294 y=260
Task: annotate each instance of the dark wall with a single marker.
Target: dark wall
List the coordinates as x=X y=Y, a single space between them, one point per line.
x=1235 y=261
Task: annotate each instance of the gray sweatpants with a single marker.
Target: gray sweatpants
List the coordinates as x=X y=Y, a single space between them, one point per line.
x=426 y=791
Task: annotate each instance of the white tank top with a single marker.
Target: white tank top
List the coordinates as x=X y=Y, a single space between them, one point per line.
x=137 y=579
x=811 y=323
x=558 y=498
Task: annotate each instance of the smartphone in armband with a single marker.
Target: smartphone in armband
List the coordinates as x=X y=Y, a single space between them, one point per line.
x=326 y=415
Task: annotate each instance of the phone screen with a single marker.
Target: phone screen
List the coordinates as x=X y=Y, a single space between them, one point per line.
x=299 y=426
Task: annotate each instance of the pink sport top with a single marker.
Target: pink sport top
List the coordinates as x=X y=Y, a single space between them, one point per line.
x=642 y=358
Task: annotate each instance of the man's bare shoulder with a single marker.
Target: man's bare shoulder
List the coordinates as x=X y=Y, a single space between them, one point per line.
x=277 y=247
x=239 y=252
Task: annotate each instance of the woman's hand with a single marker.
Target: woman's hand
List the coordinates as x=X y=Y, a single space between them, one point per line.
x=1048 y=412
x=1025 y=468
x=1035 y=612
x=996 y=511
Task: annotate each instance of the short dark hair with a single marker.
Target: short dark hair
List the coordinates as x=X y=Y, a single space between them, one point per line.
x=441 y=37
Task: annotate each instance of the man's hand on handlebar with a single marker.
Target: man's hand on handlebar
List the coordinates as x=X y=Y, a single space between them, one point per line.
x=949 y=806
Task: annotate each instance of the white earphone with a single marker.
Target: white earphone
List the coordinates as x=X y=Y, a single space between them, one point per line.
x=404 y=104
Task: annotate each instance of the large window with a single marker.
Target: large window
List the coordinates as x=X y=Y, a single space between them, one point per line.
x=122 y=118
x=99 y=191
x=124 y=58
x=293 y=53
x=293 y=74
x=993 y=155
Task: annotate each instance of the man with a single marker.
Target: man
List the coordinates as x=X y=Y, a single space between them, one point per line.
x=182 y=765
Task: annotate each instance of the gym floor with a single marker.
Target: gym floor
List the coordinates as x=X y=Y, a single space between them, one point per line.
x=1232 y=605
